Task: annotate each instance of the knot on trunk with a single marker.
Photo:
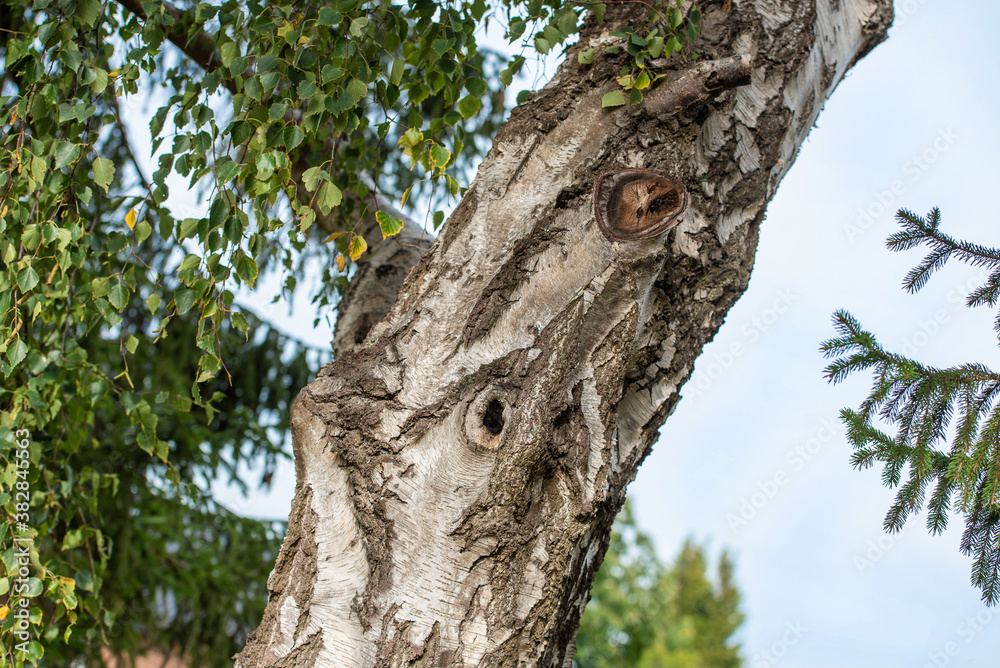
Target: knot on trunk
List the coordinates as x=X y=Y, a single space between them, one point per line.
x=486 y=419
x=638 y=203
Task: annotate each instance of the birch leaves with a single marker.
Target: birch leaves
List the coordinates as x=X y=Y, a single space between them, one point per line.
x=672 y=30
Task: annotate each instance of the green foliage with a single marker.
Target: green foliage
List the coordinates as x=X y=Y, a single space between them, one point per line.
x=646 y=615
x=669 y=30
x=130 y=558
x=928 y=407
x=125 y=355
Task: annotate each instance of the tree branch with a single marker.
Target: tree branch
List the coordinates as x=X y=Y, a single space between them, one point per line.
x=376 y=283
x=698 y=84
x=200 y=48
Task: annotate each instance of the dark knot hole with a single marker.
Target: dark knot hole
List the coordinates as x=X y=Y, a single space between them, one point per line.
x=665 y=203
x=493 y=417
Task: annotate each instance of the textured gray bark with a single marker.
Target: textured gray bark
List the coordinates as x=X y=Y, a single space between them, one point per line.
x=459 y=468
x=374 y=286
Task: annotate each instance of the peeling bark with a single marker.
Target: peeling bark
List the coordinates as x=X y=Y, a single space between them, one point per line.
x=459 y=468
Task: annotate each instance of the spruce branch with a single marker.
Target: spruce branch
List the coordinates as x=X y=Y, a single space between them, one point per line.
x=918 y=230
x=927 y=407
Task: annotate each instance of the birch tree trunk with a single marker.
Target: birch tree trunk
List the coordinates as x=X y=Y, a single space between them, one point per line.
x=459 y=468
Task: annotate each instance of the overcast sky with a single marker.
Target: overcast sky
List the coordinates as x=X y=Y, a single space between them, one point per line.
x=755 y=458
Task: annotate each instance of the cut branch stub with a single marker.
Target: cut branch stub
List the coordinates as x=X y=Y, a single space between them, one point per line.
x=638 y=204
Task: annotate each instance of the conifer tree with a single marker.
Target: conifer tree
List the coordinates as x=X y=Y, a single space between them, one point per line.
x=945 y=453
x=647 y=614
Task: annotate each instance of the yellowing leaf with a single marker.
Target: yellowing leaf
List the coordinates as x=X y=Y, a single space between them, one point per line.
x=390 y=225
x=409 y=142
x=130 y=219
x=341 y=263
x=440 y=156
x=412 y=136
x=358 y=247
x=332 y=237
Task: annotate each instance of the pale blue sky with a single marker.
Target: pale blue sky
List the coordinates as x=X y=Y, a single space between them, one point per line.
x=818 y=589
x=804 y=557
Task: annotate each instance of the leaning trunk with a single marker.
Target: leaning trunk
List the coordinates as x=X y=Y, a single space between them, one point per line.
x=460 y=467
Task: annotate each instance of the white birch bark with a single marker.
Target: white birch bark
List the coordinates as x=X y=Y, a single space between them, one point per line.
x=460 y=467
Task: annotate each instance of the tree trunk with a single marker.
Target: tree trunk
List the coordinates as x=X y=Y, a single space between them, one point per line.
x=460 y=467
